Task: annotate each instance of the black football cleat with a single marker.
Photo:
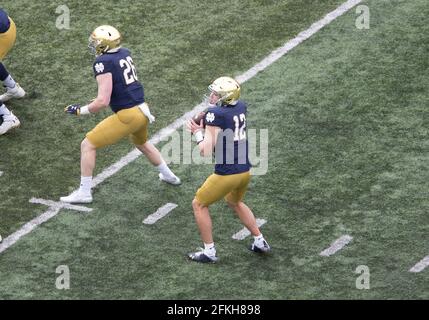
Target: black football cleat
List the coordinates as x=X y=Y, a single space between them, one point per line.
x=201 y=257
x=265 y=249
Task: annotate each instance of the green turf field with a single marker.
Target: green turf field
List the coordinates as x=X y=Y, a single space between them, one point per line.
x=348 y=153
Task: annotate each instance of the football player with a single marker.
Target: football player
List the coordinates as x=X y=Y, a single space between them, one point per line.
x=119 y=87
x=13 y=90
x=225 y=129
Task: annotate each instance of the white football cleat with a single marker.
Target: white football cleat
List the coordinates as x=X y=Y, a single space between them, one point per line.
x=10 y=121
x=77 y=197
x=13 y=93
x=174 y=180
x=265 y=248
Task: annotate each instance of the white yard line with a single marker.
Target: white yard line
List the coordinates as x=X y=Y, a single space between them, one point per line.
x=28 y=227
x=420 y=266
x=164 y=133
x=262 y=65
x=336 y=246
x=1 y=173
x=244 y=233
x=304 y=35
x=159 y=136
x=160 y=213
x=54 y=209
x=55 y=204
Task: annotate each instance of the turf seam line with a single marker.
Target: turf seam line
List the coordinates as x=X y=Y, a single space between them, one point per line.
x=165 y=132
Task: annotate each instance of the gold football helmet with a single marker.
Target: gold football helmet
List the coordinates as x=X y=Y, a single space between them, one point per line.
x=103 y=39
x=227 y=89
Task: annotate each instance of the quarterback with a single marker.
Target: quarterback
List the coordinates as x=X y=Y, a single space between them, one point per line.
x=226 y=130
x=13 y=90
x=119 y=87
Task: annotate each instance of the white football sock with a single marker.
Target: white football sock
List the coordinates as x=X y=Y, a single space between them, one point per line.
x=4 y=111
x=85 y=184
x=9 y=82
x=165 y=170
x=209 y=249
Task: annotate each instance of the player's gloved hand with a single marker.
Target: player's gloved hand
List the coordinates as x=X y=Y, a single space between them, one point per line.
x=145 y=109
x=73 y=109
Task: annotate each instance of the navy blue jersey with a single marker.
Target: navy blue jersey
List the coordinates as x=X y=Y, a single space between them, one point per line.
x=127 y=91
x=4 y=21
x=232 y=148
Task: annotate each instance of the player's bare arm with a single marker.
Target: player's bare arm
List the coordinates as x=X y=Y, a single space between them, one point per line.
x=119 y=89
x=209 y=138
x=105 y=86
x=230 y=180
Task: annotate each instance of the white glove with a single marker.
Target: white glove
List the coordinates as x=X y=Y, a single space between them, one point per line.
x=145 y=109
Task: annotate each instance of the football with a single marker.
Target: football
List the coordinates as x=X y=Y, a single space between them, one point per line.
x=200 y=116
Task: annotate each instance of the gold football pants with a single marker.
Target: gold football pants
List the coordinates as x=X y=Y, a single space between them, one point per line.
x=127 y=122
x=7 y=40
x=231 y=187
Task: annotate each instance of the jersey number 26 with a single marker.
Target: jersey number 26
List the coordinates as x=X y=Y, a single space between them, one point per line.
x=130 y=74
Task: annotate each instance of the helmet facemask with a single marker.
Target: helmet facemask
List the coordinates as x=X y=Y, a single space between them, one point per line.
x=226 y=89
x=92 y=46
x=223 y=98
x=212 y=98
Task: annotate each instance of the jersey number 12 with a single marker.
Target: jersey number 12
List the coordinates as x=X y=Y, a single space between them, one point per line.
x=130 y=74
x=240 y=127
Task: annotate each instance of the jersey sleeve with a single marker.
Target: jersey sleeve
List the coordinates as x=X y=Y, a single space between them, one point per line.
x=214 y=118
x=102 y=67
